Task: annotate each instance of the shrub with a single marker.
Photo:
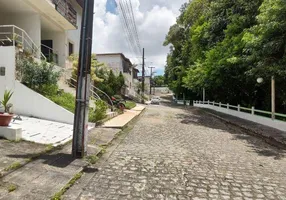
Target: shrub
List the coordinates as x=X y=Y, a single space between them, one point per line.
x=66 y=100
x=48 y=90
x=34 y=74
x=129 y=105
x=99 y=113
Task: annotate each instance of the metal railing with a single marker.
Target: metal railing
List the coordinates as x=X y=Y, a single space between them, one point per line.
x=239 y=108
x=11 y=35
x=92 y=88
x=94 y=94
x=65 y=8
x=51 y=55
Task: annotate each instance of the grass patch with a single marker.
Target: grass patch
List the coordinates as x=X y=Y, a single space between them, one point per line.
x=49 y=148
x=11 y=188
x=13 y=166
x=130 y=104
x=92 y=159
x=65 y=100
x=58 y=195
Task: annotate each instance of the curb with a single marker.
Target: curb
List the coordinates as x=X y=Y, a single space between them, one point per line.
x=83 y=168
x=123 y=127
x=269 y=140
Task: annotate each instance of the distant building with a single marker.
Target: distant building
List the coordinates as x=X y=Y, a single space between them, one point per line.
x=119 y=63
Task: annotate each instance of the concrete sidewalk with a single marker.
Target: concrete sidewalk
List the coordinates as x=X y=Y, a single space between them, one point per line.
x=50 y=173
x=268 y=134
x=47 y=175
x=122 y=120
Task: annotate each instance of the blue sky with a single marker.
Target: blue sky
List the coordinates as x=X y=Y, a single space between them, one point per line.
x=153 y=19
x=111 y=6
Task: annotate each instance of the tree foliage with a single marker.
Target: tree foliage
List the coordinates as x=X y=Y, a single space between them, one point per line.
x=159 y=81
x=224 y=46
x=102 y=77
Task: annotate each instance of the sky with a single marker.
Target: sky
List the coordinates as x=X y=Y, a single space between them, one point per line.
x=153 y=19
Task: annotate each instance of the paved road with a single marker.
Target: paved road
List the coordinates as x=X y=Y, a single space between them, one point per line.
x=176 y=154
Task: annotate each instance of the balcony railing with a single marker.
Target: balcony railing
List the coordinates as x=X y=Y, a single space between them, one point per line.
x=11 y=35
x=65 y=8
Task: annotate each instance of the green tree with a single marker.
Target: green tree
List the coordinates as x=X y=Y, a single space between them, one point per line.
x=159 y=81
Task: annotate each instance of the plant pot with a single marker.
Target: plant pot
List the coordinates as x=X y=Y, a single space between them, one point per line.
x=5 y=119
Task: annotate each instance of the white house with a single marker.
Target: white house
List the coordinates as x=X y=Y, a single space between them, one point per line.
x=46 y=29
x=119 y=63
x=49 y=27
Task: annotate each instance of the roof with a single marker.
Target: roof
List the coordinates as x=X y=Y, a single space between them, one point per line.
x=115 y=54
x=137 y=70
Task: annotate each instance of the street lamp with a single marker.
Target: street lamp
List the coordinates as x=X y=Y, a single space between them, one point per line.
x=260 y=80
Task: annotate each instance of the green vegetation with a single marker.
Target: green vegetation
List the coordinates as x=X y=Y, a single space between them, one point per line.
x=92 y=159
x=129 y=105
x=36 y=74
x=159 y=81
x=13 y=166
x=102 y=77
x=58 y=196
x=224 y=46
x=11 y=187
x=5 y=101
x=66 y=100
x=99 y=113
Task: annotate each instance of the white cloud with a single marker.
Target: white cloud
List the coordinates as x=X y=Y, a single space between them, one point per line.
x=153 y=19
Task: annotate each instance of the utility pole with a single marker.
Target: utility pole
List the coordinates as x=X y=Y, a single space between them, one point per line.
x=143 y=75
x=79 y=146
x=151 y=79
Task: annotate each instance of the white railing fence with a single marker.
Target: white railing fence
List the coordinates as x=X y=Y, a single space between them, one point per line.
x=239 y=108
x=11 y=35
x=251 y=114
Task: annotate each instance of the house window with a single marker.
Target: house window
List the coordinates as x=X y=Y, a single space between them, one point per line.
x=70 y=48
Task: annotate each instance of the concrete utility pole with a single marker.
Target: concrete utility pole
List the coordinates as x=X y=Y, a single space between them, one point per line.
x=273 y=97
x=143 y=75
x=151 y=79
x=79 y=147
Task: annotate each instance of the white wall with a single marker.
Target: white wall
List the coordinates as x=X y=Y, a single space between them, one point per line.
x=59 y=44
x=7 y=60
x=115 y=63
x=112 y=61
x=73 y=36
x=29 y=103
x=280 y=125
x=31 y=23
x=25 y=101
x=147 y=83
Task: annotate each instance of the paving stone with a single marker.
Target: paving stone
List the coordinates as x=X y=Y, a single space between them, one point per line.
x=173 y=153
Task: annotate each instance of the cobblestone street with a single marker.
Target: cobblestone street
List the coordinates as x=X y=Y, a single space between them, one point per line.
x=176 y=154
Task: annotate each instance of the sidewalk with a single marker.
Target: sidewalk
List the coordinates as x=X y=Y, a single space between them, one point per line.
x=50 y=173
x=270 y=135
x=47 y=175
x=122 y=120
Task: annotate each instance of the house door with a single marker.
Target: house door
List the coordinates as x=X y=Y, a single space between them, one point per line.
x=47 y=49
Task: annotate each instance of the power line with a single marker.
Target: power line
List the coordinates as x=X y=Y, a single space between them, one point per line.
x=129 y=26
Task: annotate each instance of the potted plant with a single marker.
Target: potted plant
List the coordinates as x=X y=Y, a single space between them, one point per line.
x=6 y=116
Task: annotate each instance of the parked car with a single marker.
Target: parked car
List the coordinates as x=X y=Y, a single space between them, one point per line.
x=155 y=100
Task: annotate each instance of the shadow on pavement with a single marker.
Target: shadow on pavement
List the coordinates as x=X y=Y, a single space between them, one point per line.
x=198 y=117
x=60 y=160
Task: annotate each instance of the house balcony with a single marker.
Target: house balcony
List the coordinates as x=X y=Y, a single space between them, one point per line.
x=66 y=9
x=60 y=12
